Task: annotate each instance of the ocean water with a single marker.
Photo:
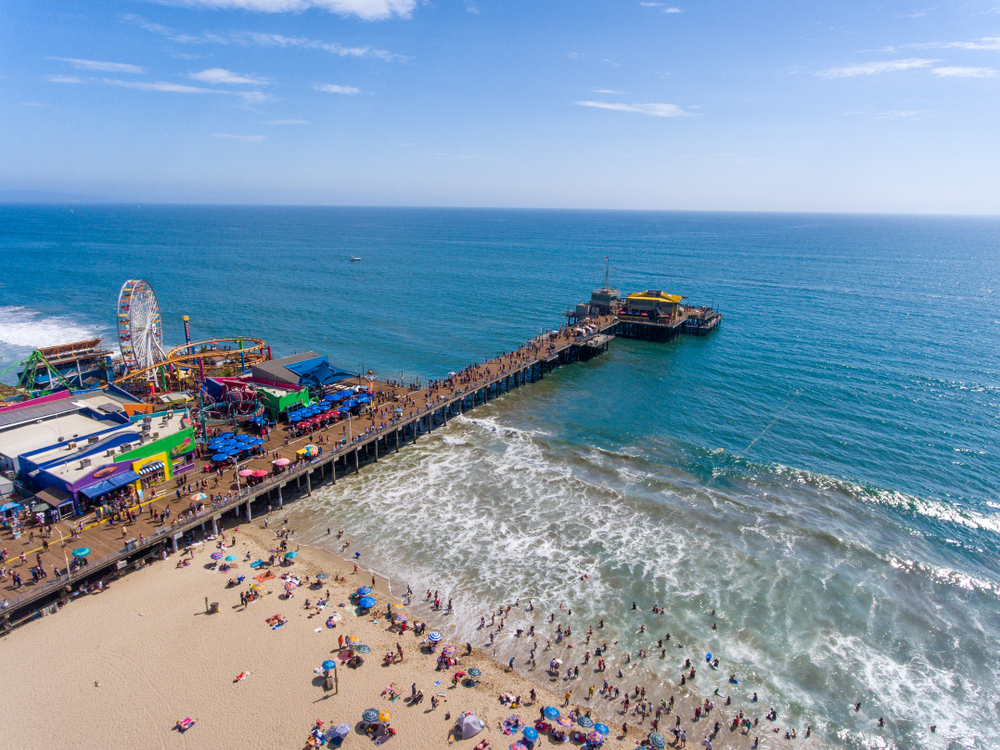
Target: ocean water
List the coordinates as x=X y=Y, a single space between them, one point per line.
x=822 y=471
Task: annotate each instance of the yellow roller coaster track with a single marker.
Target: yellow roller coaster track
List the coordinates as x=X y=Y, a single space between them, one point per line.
x=252 y=350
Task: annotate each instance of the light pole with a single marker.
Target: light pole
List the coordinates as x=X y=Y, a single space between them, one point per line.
x=69 y=572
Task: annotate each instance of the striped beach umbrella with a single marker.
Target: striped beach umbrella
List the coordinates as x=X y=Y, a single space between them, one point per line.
x=364 y=591
x=362 y=649
x=657 y=740
x=216 y=555
x=585 y=721
x=449 y=650
x=81 y=552
x=595 y=737
x=434 y=637
x=369 y=715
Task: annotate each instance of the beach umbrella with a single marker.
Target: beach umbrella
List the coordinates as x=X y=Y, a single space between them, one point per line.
x=595 y=737
x=219 y=457
x=564 y=721
x=396 y=605
x=530 y=734
x=81 y=552
x=364 y=591
x=367 y=602
x=291 y=555
x=335 y=617
x=384 y=716
x=343 y=730
x=657 y=740
x=449 y=650
x=322 y=576
x=401 y=618
x=551 y=712
x=230 y=558
x=362 y=649
x=369 y=715
x=290 y=586
x=518 y=746
x=352 y=639
x=281 y=462
x=260 y=473
x=475 y=672
x=585 y=721
x=329 y=664
x=602 y=728
x=246 y=472
x=294 y=418
x=255 y=586
x=434 y=636
x=216 y=555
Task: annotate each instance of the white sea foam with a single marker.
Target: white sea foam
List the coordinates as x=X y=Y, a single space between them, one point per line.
x=25 y=328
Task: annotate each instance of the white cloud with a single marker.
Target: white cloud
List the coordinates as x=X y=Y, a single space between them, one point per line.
x=287 y=122
x=907 y=114
x=988 y=43
x=221 y=75
x=176 y=88
x=241 y=138
x=607 y=91
x=666 y=9
x=331 y=88
x=960 y=72
x=370 y=10
x=873 y=68
x=64 y=79
x=657 y=110
x=257 y=39
x=104 y=67
x=471 y=7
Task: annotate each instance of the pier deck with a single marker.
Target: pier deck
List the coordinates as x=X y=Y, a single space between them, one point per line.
x=381 y=433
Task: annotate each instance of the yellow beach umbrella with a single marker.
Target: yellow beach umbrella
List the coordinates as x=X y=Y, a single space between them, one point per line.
x=353 y=639
x=255 y=586
x=384 y=716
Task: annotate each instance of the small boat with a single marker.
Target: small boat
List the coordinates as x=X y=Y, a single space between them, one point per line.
x=354 y=258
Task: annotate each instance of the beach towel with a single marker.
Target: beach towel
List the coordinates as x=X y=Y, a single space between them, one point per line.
x=256 y=563
x=265 y=576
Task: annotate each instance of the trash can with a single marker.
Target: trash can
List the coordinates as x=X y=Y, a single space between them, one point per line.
x=213 y=608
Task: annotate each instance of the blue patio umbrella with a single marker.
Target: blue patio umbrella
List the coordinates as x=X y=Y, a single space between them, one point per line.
x=585 y=721
x=602 y=728
x=530 y=734
x=330 y=397
x=329 y=664
x=551 y=712
x=220 y=456
x=364 y=591
x=81 y=552
x=434 y=636
x=366 y=602
x=294 y=418
x=291 y=555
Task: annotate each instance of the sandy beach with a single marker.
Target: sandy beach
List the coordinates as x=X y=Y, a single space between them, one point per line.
x=119 y=668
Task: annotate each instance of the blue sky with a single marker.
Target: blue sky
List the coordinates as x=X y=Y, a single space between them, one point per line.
x=797 y=106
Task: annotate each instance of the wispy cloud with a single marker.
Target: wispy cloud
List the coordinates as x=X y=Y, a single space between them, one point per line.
x=240 y=138
x=904 y=114
x=332 y=88
x=286 y=122
x=471 y=7
x=988 y=43
x=874 y=68
x=221 y=75
x=257 y=39
x=657 y=110
x=176 y=88
x=104 y=67
x=370 y=10
x=607 y=91
x=64 y=79
x=666 y=8
x=960 y=72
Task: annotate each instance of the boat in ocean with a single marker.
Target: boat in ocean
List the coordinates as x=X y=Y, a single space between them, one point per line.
x=354 y=258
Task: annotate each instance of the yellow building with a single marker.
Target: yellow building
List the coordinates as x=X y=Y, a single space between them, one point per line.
x=652 y=304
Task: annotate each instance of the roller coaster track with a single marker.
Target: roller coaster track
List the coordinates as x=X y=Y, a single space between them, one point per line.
x=252 y=351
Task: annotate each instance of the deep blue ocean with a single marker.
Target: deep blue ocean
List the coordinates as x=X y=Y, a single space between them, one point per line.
x=822 y=470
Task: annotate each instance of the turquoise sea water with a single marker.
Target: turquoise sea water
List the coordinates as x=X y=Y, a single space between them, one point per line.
x=850 y=552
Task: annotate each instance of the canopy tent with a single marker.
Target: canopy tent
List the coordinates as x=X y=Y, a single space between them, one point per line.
x=318 y=372
x=107 y=485
x=469 y=725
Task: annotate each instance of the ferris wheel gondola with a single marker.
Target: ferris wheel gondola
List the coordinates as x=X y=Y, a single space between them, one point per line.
x=140 y=329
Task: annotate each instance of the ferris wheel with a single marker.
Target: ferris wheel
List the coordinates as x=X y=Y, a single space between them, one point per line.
x=140 y=330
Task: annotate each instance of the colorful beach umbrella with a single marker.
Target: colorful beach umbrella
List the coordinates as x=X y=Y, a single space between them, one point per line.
x=449 y=650
x=329 y=664
x=364 y=591
x=81 y=552
x=564 y=721
x=367 y=602
x=290 y=586
x=551 y=712
x=585 y=721
x=362 y=649
x=216 y=555
x=255 y=586
x=518 y=746
x=434 y=636
x=369 y=715
x=657 y=740
x=475 y=672
x=595 y=737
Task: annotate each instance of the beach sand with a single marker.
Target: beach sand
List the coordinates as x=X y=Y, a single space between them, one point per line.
x=117 y=669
